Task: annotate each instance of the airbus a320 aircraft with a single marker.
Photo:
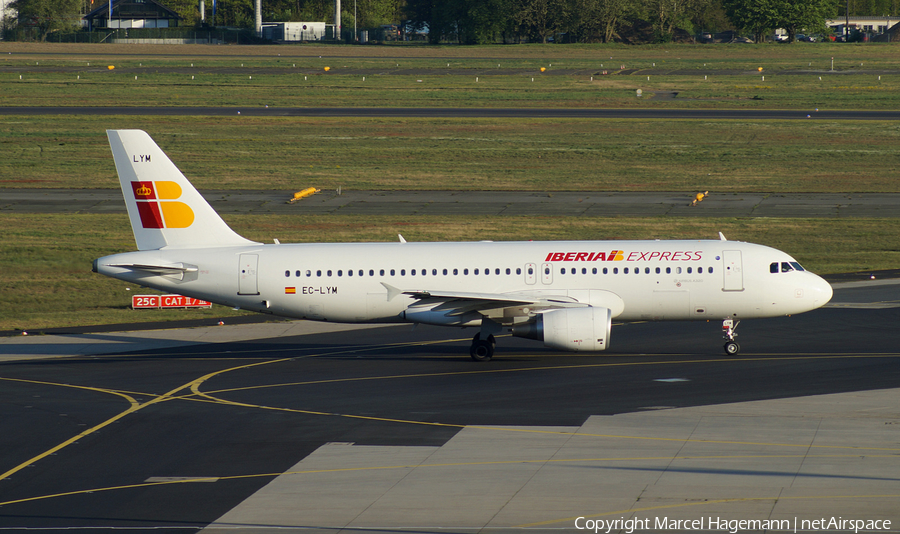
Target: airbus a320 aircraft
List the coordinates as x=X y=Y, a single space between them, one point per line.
x=564 y=293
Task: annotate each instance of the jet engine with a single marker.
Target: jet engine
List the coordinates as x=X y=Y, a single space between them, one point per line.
x=574 y=329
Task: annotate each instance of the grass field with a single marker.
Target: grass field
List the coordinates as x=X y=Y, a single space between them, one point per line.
x=772 y=57
x=468 y=154
x=45 y=260
x=829 y=76
x=448 y=88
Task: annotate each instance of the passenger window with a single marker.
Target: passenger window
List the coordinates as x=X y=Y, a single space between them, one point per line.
x=573 y=270
x=546 y=270
x=308 y=273
x=689 y=270
x=594 y=270
x=677 y=270
x=349 y=272
x=605 y=270
x=709 y=270
x=340 y=272
x=616 y=270
x=318 y=273
x=434 y=272
x=497 y=271
x=625 y=270
x=530 y=270
x=402 y=272
x=508 y=271
x=445 y=272
x=773 y=268
x=455 y=272
x=371 y=272
x=475 y=271
x=700 y=270
x=668 y=270
x=562 y=271
x=584 y=270
x=657 y=270
x=287 y=274
x=646 y=270
x=519 y=270
x=380 y=272
x=360 y=272
x=412 y=273
x=465 y=271
x=329 y=272
x=392 y=272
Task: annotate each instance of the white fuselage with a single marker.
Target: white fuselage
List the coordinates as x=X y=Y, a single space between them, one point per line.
x=637 y=280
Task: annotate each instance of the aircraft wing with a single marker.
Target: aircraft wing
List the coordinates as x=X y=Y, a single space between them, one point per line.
x=460 y=302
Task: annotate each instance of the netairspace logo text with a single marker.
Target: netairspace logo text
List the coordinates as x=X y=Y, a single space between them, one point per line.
x=733 y=526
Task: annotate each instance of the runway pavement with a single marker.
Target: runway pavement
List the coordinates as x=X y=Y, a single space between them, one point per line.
x=308 y=427
x=511 y=203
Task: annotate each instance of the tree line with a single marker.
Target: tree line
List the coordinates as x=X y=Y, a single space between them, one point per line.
x=508 y=21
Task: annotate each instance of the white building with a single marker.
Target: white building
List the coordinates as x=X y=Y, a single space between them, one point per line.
x=872 y=25
x=293 y=31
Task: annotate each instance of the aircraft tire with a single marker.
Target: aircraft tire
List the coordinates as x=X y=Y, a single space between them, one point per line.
x=481 y=350
x=732 y=348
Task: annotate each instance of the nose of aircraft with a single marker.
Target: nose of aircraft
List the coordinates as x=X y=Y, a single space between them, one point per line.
x=820 y=291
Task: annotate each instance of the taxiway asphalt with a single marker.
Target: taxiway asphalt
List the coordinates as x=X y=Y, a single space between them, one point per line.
x=509 y=203
x=308 y=427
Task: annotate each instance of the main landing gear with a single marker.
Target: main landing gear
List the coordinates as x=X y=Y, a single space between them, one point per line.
x=731 y=346
x=482 y=350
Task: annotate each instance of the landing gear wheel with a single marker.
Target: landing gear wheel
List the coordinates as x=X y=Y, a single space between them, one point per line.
x=482 y=350
x=728 y=328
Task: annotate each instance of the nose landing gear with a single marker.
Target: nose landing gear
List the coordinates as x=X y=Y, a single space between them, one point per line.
x=729 y=327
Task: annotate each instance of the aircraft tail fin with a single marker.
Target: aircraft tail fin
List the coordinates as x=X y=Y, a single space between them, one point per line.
x=164 y=208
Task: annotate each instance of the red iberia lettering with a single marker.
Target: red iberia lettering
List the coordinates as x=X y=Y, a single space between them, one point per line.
x=613 y=255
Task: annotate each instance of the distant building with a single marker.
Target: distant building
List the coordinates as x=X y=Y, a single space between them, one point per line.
x=870 y=25
x=5 y=11
x=132 y=14
x=293 y=31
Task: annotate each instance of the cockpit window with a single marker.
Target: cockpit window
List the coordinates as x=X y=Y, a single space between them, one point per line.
x=785 y=267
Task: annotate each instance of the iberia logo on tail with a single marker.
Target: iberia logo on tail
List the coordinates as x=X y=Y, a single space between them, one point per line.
x=158 y=207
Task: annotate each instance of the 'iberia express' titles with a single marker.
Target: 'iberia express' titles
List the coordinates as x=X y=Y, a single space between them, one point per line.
x=619 y=255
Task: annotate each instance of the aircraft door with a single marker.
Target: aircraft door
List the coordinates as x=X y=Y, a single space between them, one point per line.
x=530 y=273
x=733 y=271
x=547 y=273
x=247 y=281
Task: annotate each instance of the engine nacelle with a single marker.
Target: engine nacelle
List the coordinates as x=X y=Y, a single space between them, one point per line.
x=574 y=329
